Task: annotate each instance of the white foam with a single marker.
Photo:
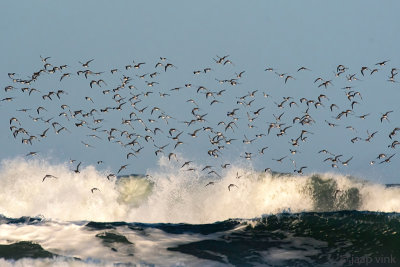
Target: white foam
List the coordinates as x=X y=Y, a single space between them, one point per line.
x=67 y=198
x=56 y=262
x=170 y=194
x=72 y=241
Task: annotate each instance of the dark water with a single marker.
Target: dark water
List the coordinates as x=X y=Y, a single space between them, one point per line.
x=342 y=238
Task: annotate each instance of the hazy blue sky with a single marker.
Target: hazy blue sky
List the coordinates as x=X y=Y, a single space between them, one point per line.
x=255 y=34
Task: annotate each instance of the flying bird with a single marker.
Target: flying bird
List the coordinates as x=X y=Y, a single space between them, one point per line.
x=94 y=189
x=86 y=64
x=232 y=185
x=48 y=176
x=77 y=167
x=122 y=167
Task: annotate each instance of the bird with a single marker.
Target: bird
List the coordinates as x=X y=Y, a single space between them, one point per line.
x=86 y=64
x=363 y=116
x=94 y=189
x=300 y=171
x=385 y=116
x=65 y=75
x=394 y=132
x=232 y=185
x=334 y=159
x=130 y=154
x=137 y=66
x=394 y=144
x=89 y=99
x=302 y=68
x=186 y=163
x=262 y=150
x=280 y=160
x=381 y=156
x=39 y=109
x=77 y=167
x=87 y=145
x=49 y=176
x=387 y=160
x=169 y=65
x=239 y=75
x=364 y=69
x=111 y=175
x=289 y=77
x=382 y=63
x=370 y=136
x=44 y=59
x=345 y=163
x=122 y=167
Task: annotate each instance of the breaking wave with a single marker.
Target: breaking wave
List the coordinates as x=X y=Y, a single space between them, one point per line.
x=170 y=194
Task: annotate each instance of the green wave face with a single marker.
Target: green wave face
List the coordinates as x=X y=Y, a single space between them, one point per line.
x=327 y=196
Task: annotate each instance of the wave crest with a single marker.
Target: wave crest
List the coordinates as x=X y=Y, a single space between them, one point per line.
x=172 y=195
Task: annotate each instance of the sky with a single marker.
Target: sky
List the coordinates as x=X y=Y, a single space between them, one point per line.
x=256 y=35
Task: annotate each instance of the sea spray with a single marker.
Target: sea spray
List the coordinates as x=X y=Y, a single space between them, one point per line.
x=171 y=194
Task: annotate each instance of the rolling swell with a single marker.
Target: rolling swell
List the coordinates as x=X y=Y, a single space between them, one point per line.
x=285 y=239
x=305 y=239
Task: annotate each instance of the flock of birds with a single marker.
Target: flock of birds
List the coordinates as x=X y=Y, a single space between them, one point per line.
x=140 y=112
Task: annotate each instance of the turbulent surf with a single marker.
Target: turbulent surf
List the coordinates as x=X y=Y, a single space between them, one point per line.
x=267 y=218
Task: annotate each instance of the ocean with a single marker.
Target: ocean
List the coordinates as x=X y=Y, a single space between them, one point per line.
x=171 y=217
